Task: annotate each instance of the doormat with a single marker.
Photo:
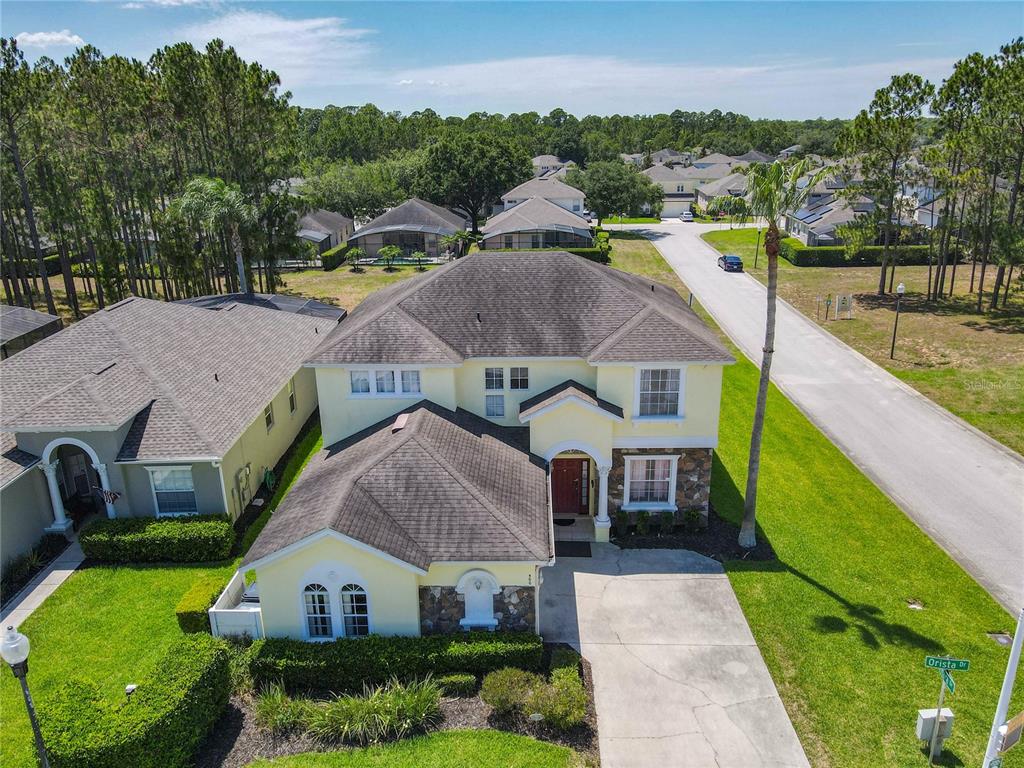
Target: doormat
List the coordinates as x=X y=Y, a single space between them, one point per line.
x=572 y=549
x=564 y=521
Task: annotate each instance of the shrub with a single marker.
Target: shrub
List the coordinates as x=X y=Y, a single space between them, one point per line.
x=390 y=711
x=643 y=520
x=506 y=690
x=160 y=726
x=277 y=712
x=564 y=658
x=801 y=255
x=19 y=570
x=457 y=685
x=562 y=702
x=334 y=257
x=152 y=540
x=668 y=521
x=194 y=604
x=622 y=522
x=346 y=664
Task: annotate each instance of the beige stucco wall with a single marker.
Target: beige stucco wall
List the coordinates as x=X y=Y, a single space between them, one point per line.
x=24 y=512
x=572 y=426
x=544 y=374
x=506 y=574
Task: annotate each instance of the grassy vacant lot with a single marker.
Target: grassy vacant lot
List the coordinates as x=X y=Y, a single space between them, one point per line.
x=831 y=614
x=480 y=749
x=970 y=363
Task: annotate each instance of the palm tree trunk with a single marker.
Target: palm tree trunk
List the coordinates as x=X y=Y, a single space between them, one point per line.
x=748 y=529
x=236 y=246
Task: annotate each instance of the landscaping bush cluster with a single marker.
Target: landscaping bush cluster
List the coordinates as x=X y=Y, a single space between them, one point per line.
x=664 y=522
x=194 y=604
x=802 y=255
x=152 y=540
x=334 y=257
x=390 y=711
x=561 y=702
x=19 y=570
x=457 y=685
x=347 y=664
x=159 y=726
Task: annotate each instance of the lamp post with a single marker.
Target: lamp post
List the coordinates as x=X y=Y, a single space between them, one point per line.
x=14 y=650
x=757 y=245
x=900 y=290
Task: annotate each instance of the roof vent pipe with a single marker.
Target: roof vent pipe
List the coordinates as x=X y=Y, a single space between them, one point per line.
x=399 y=422
x=216 y=377
x=478 y=317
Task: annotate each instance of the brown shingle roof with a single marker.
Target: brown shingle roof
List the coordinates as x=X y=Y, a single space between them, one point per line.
x=193 y=379
x=448 y=485
x=520 y=304
x=567 y=390
x=13 y=460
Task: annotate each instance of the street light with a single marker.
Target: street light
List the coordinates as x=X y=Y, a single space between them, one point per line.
x=14 y=650
x=900 y=290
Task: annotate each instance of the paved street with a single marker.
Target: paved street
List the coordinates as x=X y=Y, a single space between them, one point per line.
x=962 y=489
x=678 y=680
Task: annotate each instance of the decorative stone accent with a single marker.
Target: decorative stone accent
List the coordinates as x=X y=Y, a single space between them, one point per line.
x=693 y=478
x=442 y=608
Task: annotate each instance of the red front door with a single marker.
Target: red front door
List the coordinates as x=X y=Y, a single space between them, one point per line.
x=569 y=486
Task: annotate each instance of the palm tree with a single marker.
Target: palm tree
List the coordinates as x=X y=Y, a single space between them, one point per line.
x=215 y=204
x=774 y=191
x=459 y=242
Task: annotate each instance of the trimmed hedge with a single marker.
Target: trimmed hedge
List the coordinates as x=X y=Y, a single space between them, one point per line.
x=151 y=540
x=347 y=664
x=192 y=609
x=159 y=726
x=457 y=685
x=802 y=255
x=333 y=257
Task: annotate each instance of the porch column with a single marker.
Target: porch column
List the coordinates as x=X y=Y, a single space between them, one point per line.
x=602 y=523
x=60 y=520
x=101 y=470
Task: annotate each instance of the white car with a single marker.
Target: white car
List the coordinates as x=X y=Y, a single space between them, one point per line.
x=686 y=216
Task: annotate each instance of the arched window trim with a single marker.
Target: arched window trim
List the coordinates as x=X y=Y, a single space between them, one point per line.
x=315 y=588
x=354 y=589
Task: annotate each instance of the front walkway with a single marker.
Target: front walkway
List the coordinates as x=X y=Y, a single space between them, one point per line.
x=678 y=678
x=43 y=585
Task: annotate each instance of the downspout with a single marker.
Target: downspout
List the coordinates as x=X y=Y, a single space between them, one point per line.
x=223 y=488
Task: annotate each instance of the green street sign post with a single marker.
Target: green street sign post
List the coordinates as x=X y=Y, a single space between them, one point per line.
x=940 y=662
x=945 y=665
x=947 y=679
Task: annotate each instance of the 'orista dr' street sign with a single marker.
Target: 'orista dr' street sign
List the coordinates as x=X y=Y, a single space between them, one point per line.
x=938 y=662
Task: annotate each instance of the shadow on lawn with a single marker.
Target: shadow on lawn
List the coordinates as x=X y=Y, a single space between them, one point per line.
x=1003 y=320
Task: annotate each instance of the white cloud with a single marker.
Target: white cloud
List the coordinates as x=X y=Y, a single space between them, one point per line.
x=310 y=51
x=62 y=38
x=133 y=6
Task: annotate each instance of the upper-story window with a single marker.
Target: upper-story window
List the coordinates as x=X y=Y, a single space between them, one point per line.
x=680 y=187
x=494 y=378
x=658 y=392
x=384 y=382
x=494 y=406
x=519 y=378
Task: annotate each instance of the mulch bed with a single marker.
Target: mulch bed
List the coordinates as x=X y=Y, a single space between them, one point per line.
x=48 y=549
x=236 y=740
x=718 y=541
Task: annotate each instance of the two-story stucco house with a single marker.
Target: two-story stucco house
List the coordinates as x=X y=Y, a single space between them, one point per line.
x=551 y=189
x=464 y=412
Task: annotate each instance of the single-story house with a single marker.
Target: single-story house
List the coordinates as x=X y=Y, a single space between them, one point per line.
x=816 y=223
x=324 y=229
x=21 y=327
x=415 y=225
x=716 y=158
x=788 y=152
x=551 y=189
x=677 y=195
x=464 y=411
x=536 y=223
x=735 y=185
x=150 y=408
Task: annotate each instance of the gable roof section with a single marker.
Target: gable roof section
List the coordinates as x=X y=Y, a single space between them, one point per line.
x=568 y=391
x=414 y=215
x=189 y=380
x=716 y=158
x=537 y=213
x=548 y=187
x=662 y=173
x=519 y=304
x=448 y=485
x=733 y=184
x=756 y=156
x=14 y=462
x=321 y=220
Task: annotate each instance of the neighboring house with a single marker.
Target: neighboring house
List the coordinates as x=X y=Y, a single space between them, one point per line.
x=324 y=229
x=716 y=158
x=672 y=157
x=415 y=225
x=295 y=304
x=734 y=185
x=463 y=411
x=788 y=152
x=151 y=408
x=633 y=158
x=21 y=327
x=816 y=223
x=550 y=189
x=536 y=223
x=677 y=195
x=545 y=165
x=754 y=156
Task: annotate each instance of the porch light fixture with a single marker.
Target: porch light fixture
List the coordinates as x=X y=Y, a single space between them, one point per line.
x=14 y=650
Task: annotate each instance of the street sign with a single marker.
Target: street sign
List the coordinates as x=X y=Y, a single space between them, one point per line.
x=948 y=680
x=938 y=662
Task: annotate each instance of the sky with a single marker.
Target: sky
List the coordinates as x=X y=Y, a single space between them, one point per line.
x=768 y=59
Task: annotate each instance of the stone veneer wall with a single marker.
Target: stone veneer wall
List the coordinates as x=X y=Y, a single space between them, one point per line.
x=441 y=609
x=693 y=477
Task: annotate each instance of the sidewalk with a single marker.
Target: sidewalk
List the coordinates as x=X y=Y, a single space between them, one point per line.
x=42 y=586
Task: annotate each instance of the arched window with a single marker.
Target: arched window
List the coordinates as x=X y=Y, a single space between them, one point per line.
x=317 y=605
x=355 y=611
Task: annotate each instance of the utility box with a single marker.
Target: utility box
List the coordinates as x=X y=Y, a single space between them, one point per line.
x=926 y=723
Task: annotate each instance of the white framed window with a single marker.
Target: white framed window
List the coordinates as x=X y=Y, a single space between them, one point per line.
x=316 y=606
x=494 y=406
x=575 y=205
x=355 y=611
x=174 y=494
x=650 y=482
x=292 y=401
x=384 y=382
x=519 y=378
x=494 y=378
x=268 y=416
x=659 y=393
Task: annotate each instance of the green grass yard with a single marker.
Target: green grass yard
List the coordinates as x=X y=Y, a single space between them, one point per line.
x=342 y=286
x=743 y=243
x=479 y=749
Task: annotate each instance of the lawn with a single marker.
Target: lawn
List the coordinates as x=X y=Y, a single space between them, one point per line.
x=342 y=286
x=831 y=615
x=630 y=220
x=970 y=363
x=480 y=749
x=743 y=243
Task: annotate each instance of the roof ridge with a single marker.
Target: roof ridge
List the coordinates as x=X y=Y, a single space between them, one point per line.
x=612 y=338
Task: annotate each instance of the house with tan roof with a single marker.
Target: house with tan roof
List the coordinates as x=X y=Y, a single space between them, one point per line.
x=536 y=223
x=551 y=189
x=151 y=408
x=415 y=225
x=470 y=416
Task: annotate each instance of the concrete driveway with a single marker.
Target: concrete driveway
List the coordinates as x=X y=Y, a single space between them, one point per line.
x=678 y=679
x=962 y=488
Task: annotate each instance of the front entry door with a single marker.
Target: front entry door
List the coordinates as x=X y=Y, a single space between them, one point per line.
x=569 y=486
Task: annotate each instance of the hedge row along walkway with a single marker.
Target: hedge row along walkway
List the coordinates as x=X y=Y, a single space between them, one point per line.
x=42 y=586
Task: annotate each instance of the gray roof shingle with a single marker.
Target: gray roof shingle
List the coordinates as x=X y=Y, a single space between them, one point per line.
x=448 y=485
x=17 y=321
x=521 y=304
x=566 y=390
x=550 y=188
x=13 y=461
x=537 y=213
x=414 y=215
